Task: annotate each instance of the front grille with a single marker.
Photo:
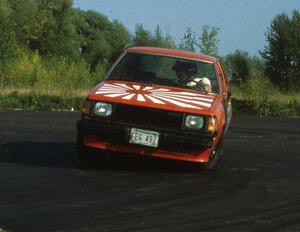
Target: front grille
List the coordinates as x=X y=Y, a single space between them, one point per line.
x=150 y=117
x=169 y=141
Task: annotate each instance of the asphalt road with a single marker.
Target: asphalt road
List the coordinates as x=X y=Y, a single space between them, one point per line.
x=256 y=187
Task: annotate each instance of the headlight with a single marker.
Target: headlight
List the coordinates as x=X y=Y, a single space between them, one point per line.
x=193 y=122
x=212 y=125
x=103 y=109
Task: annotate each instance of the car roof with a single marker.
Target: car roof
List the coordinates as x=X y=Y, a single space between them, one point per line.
x=172 y=52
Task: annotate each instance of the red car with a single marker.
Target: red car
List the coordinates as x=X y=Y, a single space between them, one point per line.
x=158 y=102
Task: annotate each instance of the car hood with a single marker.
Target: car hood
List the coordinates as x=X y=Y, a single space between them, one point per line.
x=155 y=96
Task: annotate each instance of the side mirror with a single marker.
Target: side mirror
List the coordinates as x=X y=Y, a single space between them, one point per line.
x=229 y=94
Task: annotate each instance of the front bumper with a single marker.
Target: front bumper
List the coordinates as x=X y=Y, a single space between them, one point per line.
x=173 y=144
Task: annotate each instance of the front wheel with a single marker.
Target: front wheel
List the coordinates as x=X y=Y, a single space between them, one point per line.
x=214 y=157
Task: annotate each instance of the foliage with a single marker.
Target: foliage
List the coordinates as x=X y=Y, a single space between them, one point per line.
x=37 y=101
x=27 y=22
x=118 y=37
x=158 y=37
x=94 y=46
x=100 y=39
x=7 y=38
x=258 y=96
x=55 y=28
x=162 y=41
x=208 y=41
x=239 y=65
x=56 y=75
x=57 y=35
x=169 y=42
x=257 y=91
x=188 y=41
x=143 y=37
x=282 y=53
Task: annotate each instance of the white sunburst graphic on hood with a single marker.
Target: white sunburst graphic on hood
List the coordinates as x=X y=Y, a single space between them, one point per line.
x=160 y=96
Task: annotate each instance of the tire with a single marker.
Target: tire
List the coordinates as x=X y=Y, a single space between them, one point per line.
x=214 y=158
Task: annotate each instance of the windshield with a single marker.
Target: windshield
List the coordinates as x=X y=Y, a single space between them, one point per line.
x=163 y=70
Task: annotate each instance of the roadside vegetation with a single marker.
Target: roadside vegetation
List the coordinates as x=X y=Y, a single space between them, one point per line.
x=259 y=96
x=52 y=54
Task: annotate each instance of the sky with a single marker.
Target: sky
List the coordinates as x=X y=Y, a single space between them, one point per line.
x=242 y=23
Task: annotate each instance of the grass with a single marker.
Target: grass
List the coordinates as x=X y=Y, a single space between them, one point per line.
x=37 y=101
x=53 y=92
x=258 y=96
x=31 y=82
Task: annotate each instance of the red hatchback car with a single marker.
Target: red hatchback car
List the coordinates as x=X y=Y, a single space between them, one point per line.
x=158 y=102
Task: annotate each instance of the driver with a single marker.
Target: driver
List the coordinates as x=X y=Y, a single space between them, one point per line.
x=181 y=69
x=182 y=76
x=184 y=69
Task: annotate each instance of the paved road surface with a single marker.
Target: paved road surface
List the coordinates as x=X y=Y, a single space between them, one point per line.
x=256 y=187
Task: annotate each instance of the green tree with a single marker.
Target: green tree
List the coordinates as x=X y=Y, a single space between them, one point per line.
x=188 y=41
x=142 y=37
x=101 y=40
x=208 y=41
x=118 y=37
x=158 y=37
x=162 y=41
x=56 y=35
x=257 y=66
x=169 y=42
x=92 y=29
x=27 y=25
x=282 y=53
x=238 y=64
x=7 y=38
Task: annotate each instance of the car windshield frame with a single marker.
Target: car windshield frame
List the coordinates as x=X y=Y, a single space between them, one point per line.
x=136 y=67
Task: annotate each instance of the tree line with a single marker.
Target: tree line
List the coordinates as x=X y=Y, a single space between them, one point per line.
x=54 y=28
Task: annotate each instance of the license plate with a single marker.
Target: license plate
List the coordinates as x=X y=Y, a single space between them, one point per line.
x=144 y=137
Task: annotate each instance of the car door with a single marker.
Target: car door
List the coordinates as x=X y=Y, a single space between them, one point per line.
x=226 y=95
